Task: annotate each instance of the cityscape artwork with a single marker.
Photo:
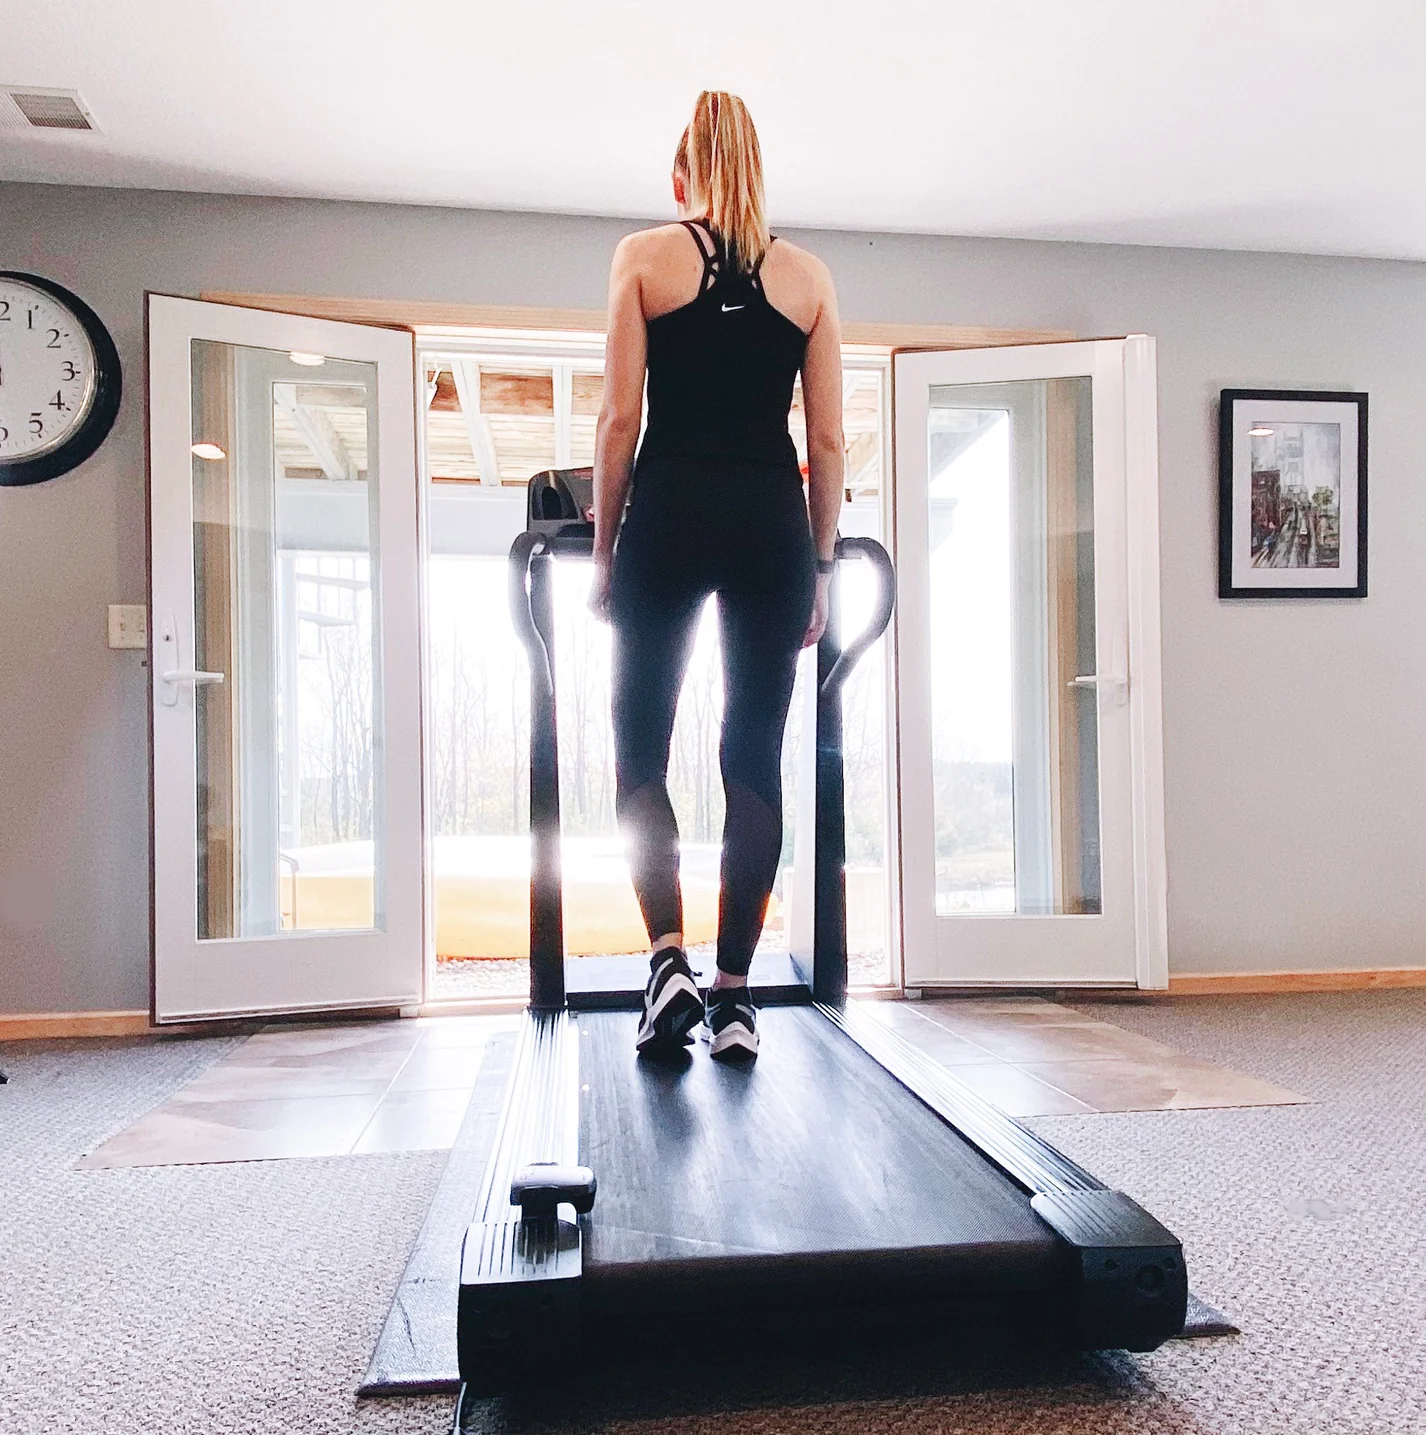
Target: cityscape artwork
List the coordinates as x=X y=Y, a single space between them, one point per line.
x=1292 y=494
x=1297 y=495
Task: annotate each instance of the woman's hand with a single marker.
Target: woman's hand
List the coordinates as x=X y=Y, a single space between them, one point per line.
x=599 y=589
x=817 y=624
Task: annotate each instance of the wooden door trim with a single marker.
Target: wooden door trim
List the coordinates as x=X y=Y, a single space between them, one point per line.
x=435 y=314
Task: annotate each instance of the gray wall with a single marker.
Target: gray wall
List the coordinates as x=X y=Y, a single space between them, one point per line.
x=1294 y=733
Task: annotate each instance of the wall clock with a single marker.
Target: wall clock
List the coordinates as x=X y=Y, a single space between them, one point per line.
x=59 y=380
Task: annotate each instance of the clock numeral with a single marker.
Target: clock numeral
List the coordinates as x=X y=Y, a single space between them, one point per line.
x=29 y=318
x=58 y=401
x=37 y=424
x=71 y=372
x=53 y=340
x=4 y=311
x=4 y=433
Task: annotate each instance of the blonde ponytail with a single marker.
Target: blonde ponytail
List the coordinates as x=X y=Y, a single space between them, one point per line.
x=719 y=153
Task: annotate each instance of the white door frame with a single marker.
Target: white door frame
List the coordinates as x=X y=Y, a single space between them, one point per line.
x=295 y=970
x=1124 y=399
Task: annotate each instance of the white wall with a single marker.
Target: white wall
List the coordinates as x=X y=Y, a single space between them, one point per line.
x=1294 y=733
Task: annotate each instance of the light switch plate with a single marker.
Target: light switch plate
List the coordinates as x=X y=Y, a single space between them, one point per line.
x=128 y=625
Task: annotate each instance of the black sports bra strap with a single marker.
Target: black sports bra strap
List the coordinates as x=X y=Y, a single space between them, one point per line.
x=699 y=234
x=756 y=276
x=712 y=259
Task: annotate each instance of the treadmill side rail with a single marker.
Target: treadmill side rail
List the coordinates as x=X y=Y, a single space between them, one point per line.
x=1030 y=1161
x=1132 y=1283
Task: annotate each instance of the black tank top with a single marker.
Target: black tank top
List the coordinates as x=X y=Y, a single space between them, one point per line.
x=721 y=368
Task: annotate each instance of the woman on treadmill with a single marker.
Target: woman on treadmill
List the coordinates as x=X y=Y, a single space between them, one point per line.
x=721 y=317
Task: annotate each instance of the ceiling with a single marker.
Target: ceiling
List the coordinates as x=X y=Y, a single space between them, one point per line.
x=515 y=410
x=1248 y=124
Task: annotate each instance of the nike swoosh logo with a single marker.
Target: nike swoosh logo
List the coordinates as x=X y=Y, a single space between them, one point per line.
x=728 y=308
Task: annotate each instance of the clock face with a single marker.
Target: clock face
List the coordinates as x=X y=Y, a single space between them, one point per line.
x=48 y=372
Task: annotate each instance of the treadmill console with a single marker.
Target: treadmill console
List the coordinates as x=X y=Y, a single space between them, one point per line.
x=561 y=500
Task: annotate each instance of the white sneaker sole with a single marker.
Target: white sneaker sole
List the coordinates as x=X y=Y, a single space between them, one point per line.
x=733 y=1043
x=677 y=1025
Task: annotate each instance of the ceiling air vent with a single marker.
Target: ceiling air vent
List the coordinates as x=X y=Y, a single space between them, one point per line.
x=30 y=107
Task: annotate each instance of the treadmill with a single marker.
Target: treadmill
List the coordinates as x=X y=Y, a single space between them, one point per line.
x=844 y=1179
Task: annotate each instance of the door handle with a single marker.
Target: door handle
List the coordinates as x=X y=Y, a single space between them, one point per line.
x=1114 y=683
x=189 y=675
x=170 y=678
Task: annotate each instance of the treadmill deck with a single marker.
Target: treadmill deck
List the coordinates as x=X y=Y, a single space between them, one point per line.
x=813 y=1165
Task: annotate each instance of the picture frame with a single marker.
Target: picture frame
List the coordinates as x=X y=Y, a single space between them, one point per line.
x=1292 y=494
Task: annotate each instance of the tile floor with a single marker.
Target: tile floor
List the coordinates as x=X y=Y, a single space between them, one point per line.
x=317 y=1091
x=1033 y=1057
x=356 y=1089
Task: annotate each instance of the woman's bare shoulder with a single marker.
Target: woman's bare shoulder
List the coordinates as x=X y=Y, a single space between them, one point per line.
x=793 y=259
x=649 y=245
x=796 y=254
x=798 y=283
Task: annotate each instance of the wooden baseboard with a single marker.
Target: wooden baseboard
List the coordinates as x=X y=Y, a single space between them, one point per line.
x=1270 y=983
x=31 y=1026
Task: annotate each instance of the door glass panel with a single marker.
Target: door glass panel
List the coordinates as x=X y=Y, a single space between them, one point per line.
x=1014 y=736
x=289 y=802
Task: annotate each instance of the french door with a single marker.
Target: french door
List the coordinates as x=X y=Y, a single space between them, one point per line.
x=1028 y=657
x=284 y=663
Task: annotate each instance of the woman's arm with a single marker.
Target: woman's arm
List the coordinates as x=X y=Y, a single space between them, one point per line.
x=826 y=446
x=620 y=415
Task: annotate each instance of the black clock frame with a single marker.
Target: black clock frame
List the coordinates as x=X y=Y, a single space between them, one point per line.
x=108 y=388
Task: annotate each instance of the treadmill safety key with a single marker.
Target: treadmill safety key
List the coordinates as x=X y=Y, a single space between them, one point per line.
x=540 y=1188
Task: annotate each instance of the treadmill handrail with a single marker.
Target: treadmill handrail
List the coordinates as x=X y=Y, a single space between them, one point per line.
x=853 y=652
x=523 y=552
x=577 y=540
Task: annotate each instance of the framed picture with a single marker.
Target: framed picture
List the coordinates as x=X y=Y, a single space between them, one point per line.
x=1292 y=494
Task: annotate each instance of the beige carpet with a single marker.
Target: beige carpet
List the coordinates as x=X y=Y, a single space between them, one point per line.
x=246 y=1297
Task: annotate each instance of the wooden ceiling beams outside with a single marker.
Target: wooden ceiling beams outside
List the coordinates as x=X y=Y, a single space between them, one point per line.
x=510 y=412
x=508 y=391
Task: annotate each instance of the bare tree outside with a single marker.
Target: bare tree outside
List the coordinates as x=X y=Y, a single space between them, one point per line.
x=335 y=698
x=479 y=697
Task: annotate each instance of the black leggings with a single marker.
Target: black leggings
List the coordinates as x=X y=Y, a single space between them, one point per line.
x=739 y=530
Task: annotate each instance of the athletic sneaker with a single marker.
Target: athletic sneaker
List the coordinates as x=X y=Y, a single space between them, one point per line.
x=672 y=1006
x=731 y=1024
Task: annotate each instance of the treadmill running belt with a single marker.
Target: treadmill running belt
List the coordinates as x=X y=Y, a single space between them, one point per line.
x=813 y=1166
